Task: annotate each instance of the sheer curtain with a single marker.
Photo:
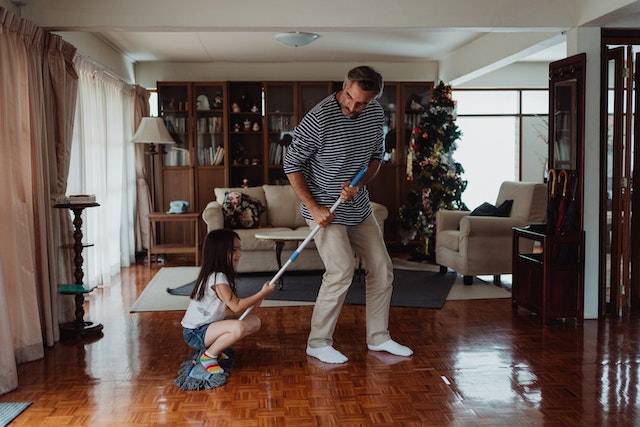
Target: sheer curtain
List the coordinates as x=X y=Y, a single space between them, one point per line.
x=103 y=163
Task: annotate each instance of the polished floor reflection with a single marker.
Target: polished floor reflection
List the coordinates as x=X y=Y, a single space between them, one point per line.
x=474 y=364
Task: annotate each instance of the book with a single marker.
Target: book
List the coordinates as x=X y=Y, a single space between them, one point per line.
x=78 y=199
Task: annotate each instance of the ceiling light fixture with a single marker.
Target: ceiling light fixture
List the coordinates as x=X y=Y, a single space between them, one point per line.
x=296 y=38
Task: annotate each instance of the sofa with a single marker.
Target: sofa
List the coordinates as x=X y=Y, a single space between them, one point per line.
x=282 y=213
x=479 y=245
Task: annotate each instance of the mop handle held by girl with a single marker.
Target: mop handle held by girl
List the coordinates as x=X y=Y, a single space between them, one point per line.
x=356 y=179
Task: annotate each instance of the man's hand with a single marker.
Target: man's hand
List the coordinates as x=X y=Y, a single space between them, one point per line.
x=348 y=192
x=321 y=215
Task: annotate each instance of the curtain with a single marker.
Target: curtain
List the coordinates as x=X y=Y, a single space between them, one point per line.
x=103 y=163
x=141 y=109
x=37 y=93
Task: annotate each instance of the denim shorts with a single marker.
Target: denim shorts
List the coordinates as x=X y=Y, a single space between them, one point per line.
x=195 y=337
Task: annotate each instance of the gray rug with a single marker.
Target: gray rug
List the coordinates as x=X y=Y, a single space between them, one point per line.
x=423 y=289
x=10 y=410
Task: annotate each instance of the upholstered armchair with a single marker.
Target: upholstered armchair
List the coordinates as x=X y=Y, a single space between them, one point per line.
x=477 y=245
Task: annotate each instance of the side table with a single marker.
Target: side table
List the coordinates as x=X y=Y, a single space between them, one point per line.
x=174 y=248
x=79 y=326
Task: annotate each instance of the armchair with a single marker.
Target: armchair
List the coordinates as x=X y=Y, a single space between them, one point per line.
x=478 y=245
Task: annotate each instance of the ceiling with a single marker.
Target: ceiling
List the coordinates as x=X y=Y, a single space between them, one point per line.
x=549 y=54
x=258 y=46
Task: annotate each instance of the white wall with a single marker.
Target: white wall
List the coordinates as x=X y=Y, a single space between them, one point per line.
x=587 y=39
x=516 y=75
x=101 y=52
x=147 y=73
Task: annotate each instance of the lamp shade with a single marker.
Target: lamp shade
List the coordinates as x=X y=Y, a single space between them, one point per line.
x=296 y=38
x=152 y=131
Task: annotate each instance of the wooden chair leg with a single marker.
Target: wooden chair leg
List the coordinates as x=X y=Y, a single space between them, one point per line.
x=496 y=280
x=467 y=280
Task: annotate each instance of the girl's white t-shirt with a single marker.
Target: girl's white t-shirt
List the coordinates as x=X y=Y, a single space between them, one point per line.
x=210 y=308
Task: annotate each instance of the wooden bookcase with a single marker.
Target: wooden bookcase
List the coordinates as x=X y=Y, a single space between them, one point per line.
x=202 y=119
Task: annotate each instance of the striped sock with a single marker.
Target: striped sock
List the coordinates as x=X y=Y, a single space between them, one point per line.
x=210 y=363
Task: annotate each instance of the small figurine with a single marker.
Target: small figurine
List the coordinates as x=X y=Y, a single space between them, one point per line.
x=247 y=124
x=256 y=127
x=236 y=127
x=235 y=108
x=245 y=183
x=255 y=161
x=202 y=103
x=255 y=108
x=217 y=101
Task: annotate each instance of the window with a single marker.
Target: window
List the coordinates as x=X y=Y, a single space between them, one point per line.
x=504 y=138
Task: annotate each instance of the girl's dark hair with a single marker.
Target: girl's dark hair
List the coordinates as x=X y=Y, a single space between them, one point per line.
x=217 y=257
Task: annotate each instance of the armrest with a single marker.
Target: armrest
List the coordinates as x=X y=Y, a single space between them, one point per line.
x=379 y=211
x=212 y=215
x=488 y=226
x=448 y=219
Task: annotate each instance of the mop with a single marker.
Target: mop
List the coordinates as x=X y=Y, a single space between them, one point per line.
x=294 y=256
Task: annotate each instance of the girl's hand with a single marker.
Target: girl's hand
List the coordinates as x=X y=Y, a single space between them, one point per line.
x=267 y=288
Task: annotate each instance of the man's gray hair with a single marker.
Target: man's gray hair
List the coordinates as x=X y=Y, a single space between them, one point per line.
x=367 y=78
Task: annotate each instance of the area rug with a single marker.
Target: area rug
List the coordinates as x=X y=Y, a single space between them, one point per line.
x=10 y=410
x=424 y=289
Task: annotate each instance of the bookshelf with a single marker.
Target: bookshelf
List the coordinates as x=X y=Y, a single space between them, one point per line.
x=228 y=133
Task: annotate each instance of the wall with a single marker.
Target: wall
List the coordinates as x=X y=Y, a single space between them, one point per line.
x=147 y=73
x=104 y=54
x=516 y=75
x=587 y=39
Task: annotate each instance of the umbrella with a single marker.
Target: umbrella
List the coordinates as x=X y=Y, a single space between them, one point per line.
x=571 y=215
x=551 y=205
x=564 y=201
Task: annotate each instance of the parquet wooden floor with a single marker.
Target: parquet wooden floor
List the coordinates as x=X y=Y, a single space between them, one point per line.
x=475 y=364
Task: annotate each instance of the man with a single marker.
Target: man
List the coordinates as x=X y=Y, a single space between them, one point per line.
x=331 y=144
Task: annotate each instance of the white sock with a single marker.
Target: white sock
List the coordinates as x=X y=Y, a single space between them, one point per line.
x=327 y=354
x=392 y=347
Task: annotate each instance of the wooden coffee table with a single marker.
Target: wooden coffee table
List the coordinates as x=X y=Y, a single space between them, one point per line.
x=280 y=237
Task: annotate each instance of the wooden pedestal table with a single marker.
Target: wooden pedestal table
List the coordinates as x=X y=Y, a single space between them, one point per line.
x=79 y=326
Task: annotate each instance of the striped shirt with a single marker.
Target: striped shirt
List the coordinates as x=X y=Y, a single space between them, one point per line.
x=330 y=148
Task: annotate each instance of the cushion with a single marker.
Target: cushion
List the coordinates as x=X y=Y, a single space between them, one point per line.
x=241 y=211
x=254 y=192
x=450 y=239
x=283 y=206
x=487 y=209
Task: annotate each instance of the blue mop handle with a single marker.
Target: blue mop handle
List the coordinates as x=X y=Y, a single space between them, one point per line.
x=294 y=256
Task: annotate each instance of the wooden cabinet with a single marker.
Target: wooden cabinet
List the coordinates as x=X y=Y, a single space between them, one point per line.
x=548 y=281
x=230 y=133
x=551 y=282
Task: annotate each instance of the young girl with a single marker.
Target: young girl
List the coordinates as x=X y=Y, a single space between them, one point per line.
x=204 y=322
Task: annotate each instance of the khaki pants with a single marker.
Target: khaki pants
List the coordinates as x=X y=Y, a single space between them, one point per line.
x=336 y=245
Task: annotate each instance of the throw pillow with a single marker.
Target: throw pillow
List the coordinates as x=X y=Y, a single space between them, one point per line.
x=241 y=211
x=487 y=209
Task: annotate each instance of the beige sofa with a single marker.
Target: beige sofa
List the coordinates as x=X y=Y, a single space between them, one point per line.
x=476 y=245
x=282 y=213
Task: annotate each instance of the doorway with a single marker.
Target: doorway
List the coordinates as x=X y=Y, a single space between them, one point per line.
x=619 y=284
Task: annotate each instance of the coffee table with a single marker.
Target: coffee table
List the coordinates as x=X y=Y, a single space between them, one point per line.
x=280 y=237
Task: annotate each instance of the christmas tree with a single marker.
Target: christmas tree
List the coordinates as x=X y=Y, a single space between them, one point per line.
x=434 y=176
